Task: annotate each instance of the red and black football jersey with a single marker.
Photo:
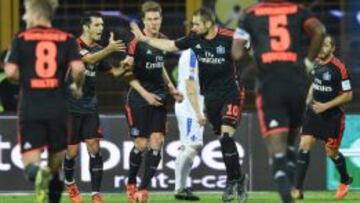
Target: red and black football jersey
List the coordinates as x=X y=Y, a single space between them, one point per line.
x=278 y=36
x=43 y=55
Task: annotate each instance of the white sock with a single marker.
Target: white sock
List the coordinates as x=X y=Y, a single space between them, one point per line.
x=184 y=162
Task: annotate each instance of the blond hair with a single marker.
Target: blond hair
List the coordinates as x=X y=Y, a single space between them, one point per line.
x=44 y=7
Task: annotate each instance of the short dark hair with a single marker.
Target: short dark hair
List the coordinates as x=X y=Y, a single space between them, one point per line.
x=206 y=14
x=149 y=6
x=86 y=17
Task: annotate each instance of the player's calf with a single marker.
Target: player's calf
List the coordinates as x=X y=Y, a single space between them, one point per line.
x=56 y=187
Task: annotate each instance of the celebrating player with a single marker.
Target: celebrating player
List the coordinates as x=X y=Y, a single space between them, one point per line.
x=39 y=59
x=83 y=118
x=146 y=119
x=276 y=29
x=325 y=118
x=212 y=47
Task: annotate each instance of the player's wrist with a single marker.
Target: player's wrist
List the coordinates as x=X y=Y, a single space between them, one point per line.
x=309 y=65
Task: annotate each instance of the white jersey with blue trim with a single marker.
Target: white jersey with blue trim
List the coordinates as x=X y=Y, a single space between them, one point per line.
x=188 y=70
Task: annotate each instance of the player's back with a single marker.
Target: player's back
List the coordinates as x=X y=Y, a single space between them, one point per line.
x=43 y=55
x=278 y=37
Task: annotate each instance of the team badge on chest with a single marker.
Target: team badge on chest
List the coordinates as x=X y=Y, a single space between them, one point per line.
x=220 y=50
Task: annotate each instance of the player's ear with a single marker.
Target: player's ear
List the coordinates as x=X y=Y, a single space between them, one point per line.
x=85 y=27
x=208 y=24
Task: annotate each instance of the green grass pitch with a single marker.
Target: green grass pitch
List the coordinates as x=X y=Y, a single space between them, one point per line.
x=254 y=197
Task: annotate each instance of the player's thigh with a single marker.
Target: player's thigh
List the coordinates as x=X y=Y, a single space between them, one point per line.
x=90 y=128
x=231 y=113
x=314 y=125
x=213 y=110
x=57 y=133
x=32 y=135
x=272 y=112
x=138 y=120
x=335 y=127
x=74 y=128
x=157 y=119
x=297 y=107
x=191 y=132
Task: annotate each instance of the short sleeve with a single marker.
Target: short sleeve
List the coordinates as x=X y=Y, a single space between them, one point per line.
x=73 y=50
x=132 y=47
x=192 y=65
x=345 y=80
x=12 y=55
x=185 y=42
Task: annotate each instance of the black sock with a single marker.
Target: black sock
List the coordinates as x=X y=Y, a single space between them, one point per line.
x=31 y=171
x=96 y=171
x=340 y=165
x=231 y=157
x=302 y=165
x=152 y=161
x=135 y=162
x=69 y=169
x=291 y=162
x=280 y=177
x=56 y=187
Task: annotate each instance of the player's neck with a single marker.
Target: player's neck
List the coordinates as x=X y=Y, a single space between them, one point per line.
x=149 y=34
x=43 y=23
x=212 y=33
x=86 y=39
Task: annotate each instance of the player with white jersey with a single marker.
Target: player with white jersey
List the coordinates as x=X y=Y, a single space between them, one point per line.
x=191 y=121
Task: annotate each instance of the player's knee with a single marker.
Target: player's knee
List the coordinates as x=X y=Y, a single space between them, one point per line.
x=72 y=151
x=156 y=141
x=306 y=143
x=141 y=144
x=228 y=129
x=93 y=146
x=331 y=152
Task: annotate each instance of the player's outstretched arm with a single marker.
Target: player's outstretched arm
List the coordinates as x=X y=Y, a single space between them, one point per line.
x=192 y=94
x=163 y=44
x=316 y=30
x=113 y=46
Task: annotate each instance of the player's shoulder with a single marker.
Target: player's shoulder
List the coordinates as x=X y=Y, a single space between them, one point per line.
x=226 y=32
x=44 y=33
x=339 y=65
x=267 y=8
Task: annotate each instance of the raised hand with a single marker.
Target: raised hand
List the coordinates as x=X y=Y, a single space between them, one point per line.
x=115 y=45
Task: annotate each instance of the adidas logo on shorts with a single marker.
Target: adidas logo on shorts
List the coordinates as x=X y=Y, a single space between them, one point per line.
x=27 y=145
x=273 y=124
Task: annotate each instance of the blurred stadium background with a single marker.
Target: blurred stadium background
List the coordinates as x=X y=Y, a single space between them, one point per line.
x=341 y=17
